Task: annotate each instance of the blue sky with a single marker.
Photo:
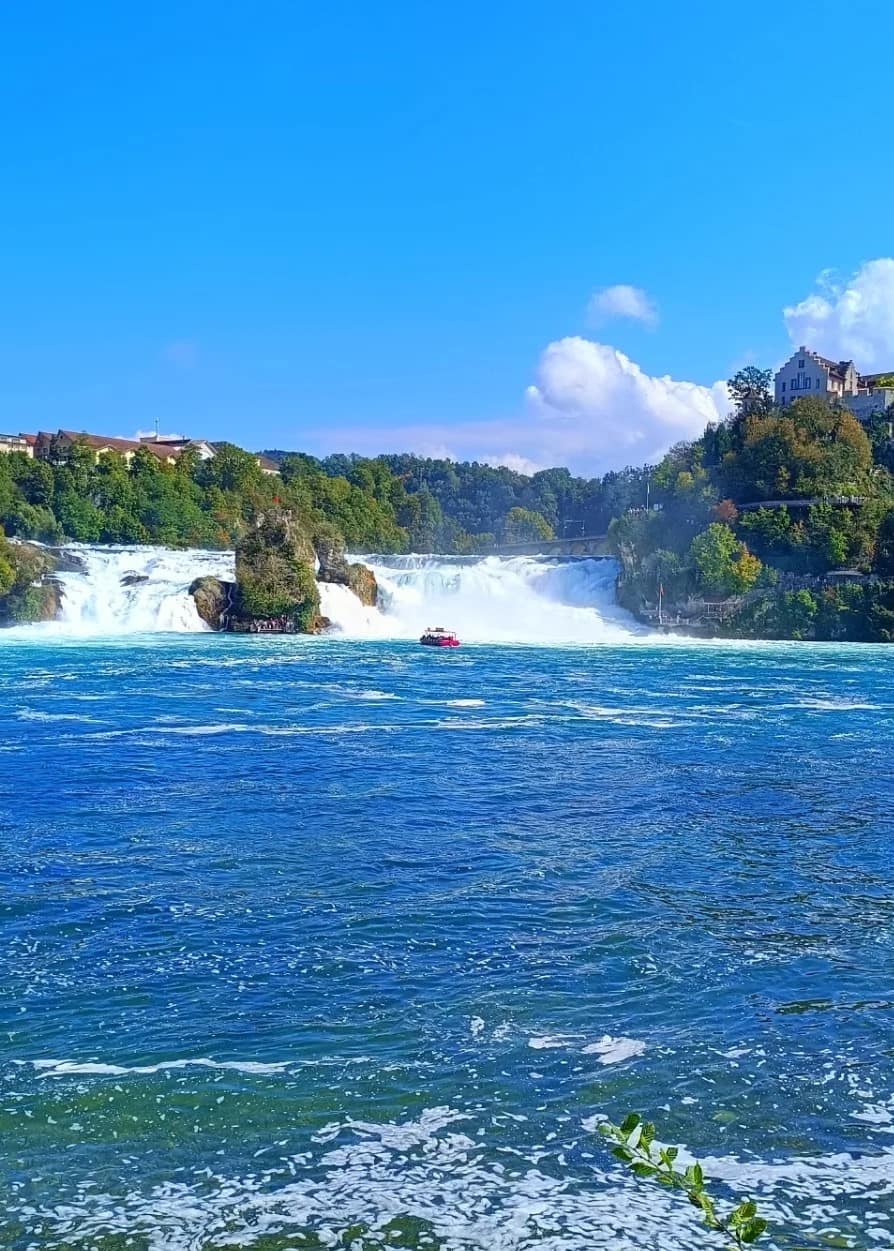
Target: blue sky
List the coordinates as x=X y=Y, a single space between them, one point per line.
x=378 y=227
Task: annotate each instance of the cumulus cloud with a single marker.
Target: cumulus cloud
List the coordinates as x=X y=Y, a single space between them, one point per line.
x=592 y=409
x=622 y=300
x=610 y=410
x=512 y=460
x=849 y=320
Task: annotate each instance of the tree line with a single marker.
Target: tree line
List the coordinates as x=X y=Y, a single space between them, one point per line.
x=385 y=503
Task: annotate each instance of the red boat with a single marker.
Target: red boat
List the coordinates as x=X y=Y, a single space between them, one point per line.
x=437 y=636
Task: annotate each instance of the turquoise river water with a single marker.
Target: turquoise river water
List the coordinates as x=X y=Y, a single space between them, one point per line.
x=309 y=942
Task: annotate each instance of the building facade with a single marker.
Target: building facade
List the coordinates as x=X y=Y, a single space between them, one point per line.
x=23 y=443
x=807 y=373
x=868 y=403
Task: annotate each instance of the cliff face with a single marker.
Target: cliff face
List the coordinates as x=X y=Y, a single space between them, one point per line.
x=28 y=590
x=335 y=567
x=276 y=590
x=213 y=600
x=277 y=568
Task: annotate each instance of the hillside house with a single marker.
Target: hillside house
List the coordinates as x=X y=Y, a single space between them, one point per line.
x=23 y=443
x=807 y=373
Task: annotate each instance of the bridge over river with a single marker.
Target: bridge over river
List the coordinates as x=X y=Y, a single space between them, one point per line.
x=580 y=545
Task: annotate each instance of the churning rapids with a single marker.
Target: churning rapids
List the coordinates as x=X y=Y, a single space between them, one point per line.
x=524 y=599
x=306 y=943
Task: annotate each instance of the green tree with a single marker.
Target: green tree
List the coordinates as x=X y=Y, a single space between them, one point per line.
x=523 y=525
x=723 y=565
x=884 y=556
x=750 y=391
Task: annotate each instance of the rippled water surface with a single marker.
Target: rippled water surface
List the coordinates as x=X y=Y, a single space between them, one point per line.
x=309 y=943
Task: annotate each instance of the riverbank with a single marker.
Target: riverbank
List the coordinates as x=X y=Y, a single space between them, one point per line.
x=839 y=607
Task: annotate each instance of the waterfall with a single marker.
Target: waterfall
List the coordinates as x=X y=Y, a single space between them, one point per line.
x=522 y=599
x=131 y=590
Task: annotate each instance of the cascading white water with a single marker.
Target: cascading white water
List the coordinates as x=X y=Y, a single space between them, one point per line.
x=128 y=590
x=522 y=599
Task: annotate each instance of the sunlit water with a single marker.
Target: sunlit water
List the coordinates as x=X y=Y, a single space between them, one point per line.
x=309 y=942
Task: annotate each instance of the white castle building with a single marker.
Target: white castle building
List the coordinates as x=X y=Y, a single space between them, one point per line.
x=807 y=373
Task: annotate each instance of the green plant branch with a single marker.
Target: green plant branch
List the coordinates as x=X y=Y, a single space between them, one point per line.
x=635 y=1146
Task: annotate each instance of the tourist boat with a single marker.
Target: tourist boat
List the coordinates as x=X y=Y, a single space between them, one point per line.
x=437 y=636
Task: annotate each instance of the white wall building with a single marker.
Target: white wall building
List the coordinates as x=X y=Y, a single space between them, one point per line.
x=807 y=373
x=17 y=443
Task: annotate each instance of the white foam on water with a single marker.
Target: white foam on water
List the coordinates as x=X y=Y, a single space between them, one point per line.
x=549 y=1042
x=520 y=599
x=91 y=1068
x=436 y=1169
x=614 y=1050
x=133 y=590
x=349 y=616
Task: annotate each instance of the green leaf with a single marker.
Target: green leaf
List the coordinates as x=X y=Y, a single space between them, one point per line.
x=622 y=1153
x=670 y=1154
x=629 y=1124
x=647 y=1136
x=641 y=1169
x=753 y=1230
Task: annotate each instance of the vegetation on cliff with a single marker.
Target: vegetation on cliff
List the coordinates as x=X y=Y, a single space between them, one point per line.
x=275 y=577
x=27 y=589
x=766 y=510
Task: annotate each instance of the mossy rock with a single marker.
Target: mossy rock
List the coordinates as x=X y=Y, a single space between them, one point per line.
x=28 y=590
x=333 y=566
x=362 y=582
x=213 y=599
x=275 y=585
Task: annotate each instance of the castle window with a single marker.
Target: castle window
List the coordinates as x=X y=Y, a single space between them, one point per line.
x=800 y=364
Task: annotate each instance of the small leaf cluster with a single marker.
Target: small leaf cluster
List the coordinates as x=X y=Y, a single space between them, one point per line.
x=635 y=1146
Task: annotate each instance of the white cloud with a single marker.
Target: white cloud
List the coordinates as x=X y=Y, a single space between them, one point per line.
x=623 y=300
x=604 y=405
x=852 y=320
x=512 y=460
x=592 y=409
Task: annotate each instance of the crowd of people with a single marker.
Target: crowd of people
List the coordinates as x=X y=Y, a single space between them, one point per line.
x=272 y=625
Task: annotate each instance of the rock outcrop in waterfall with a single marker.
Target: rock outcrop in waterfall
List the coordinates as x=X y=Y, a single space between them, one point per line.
x=213 y=599
x=278 y=565
x=335 y=567
x=28 y=589
x=276 y=590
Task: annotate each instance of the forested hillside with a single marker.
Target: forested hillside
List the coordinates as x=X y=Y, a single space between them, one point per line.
x=768 y=507
x=389 y=504
x=767 y=499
